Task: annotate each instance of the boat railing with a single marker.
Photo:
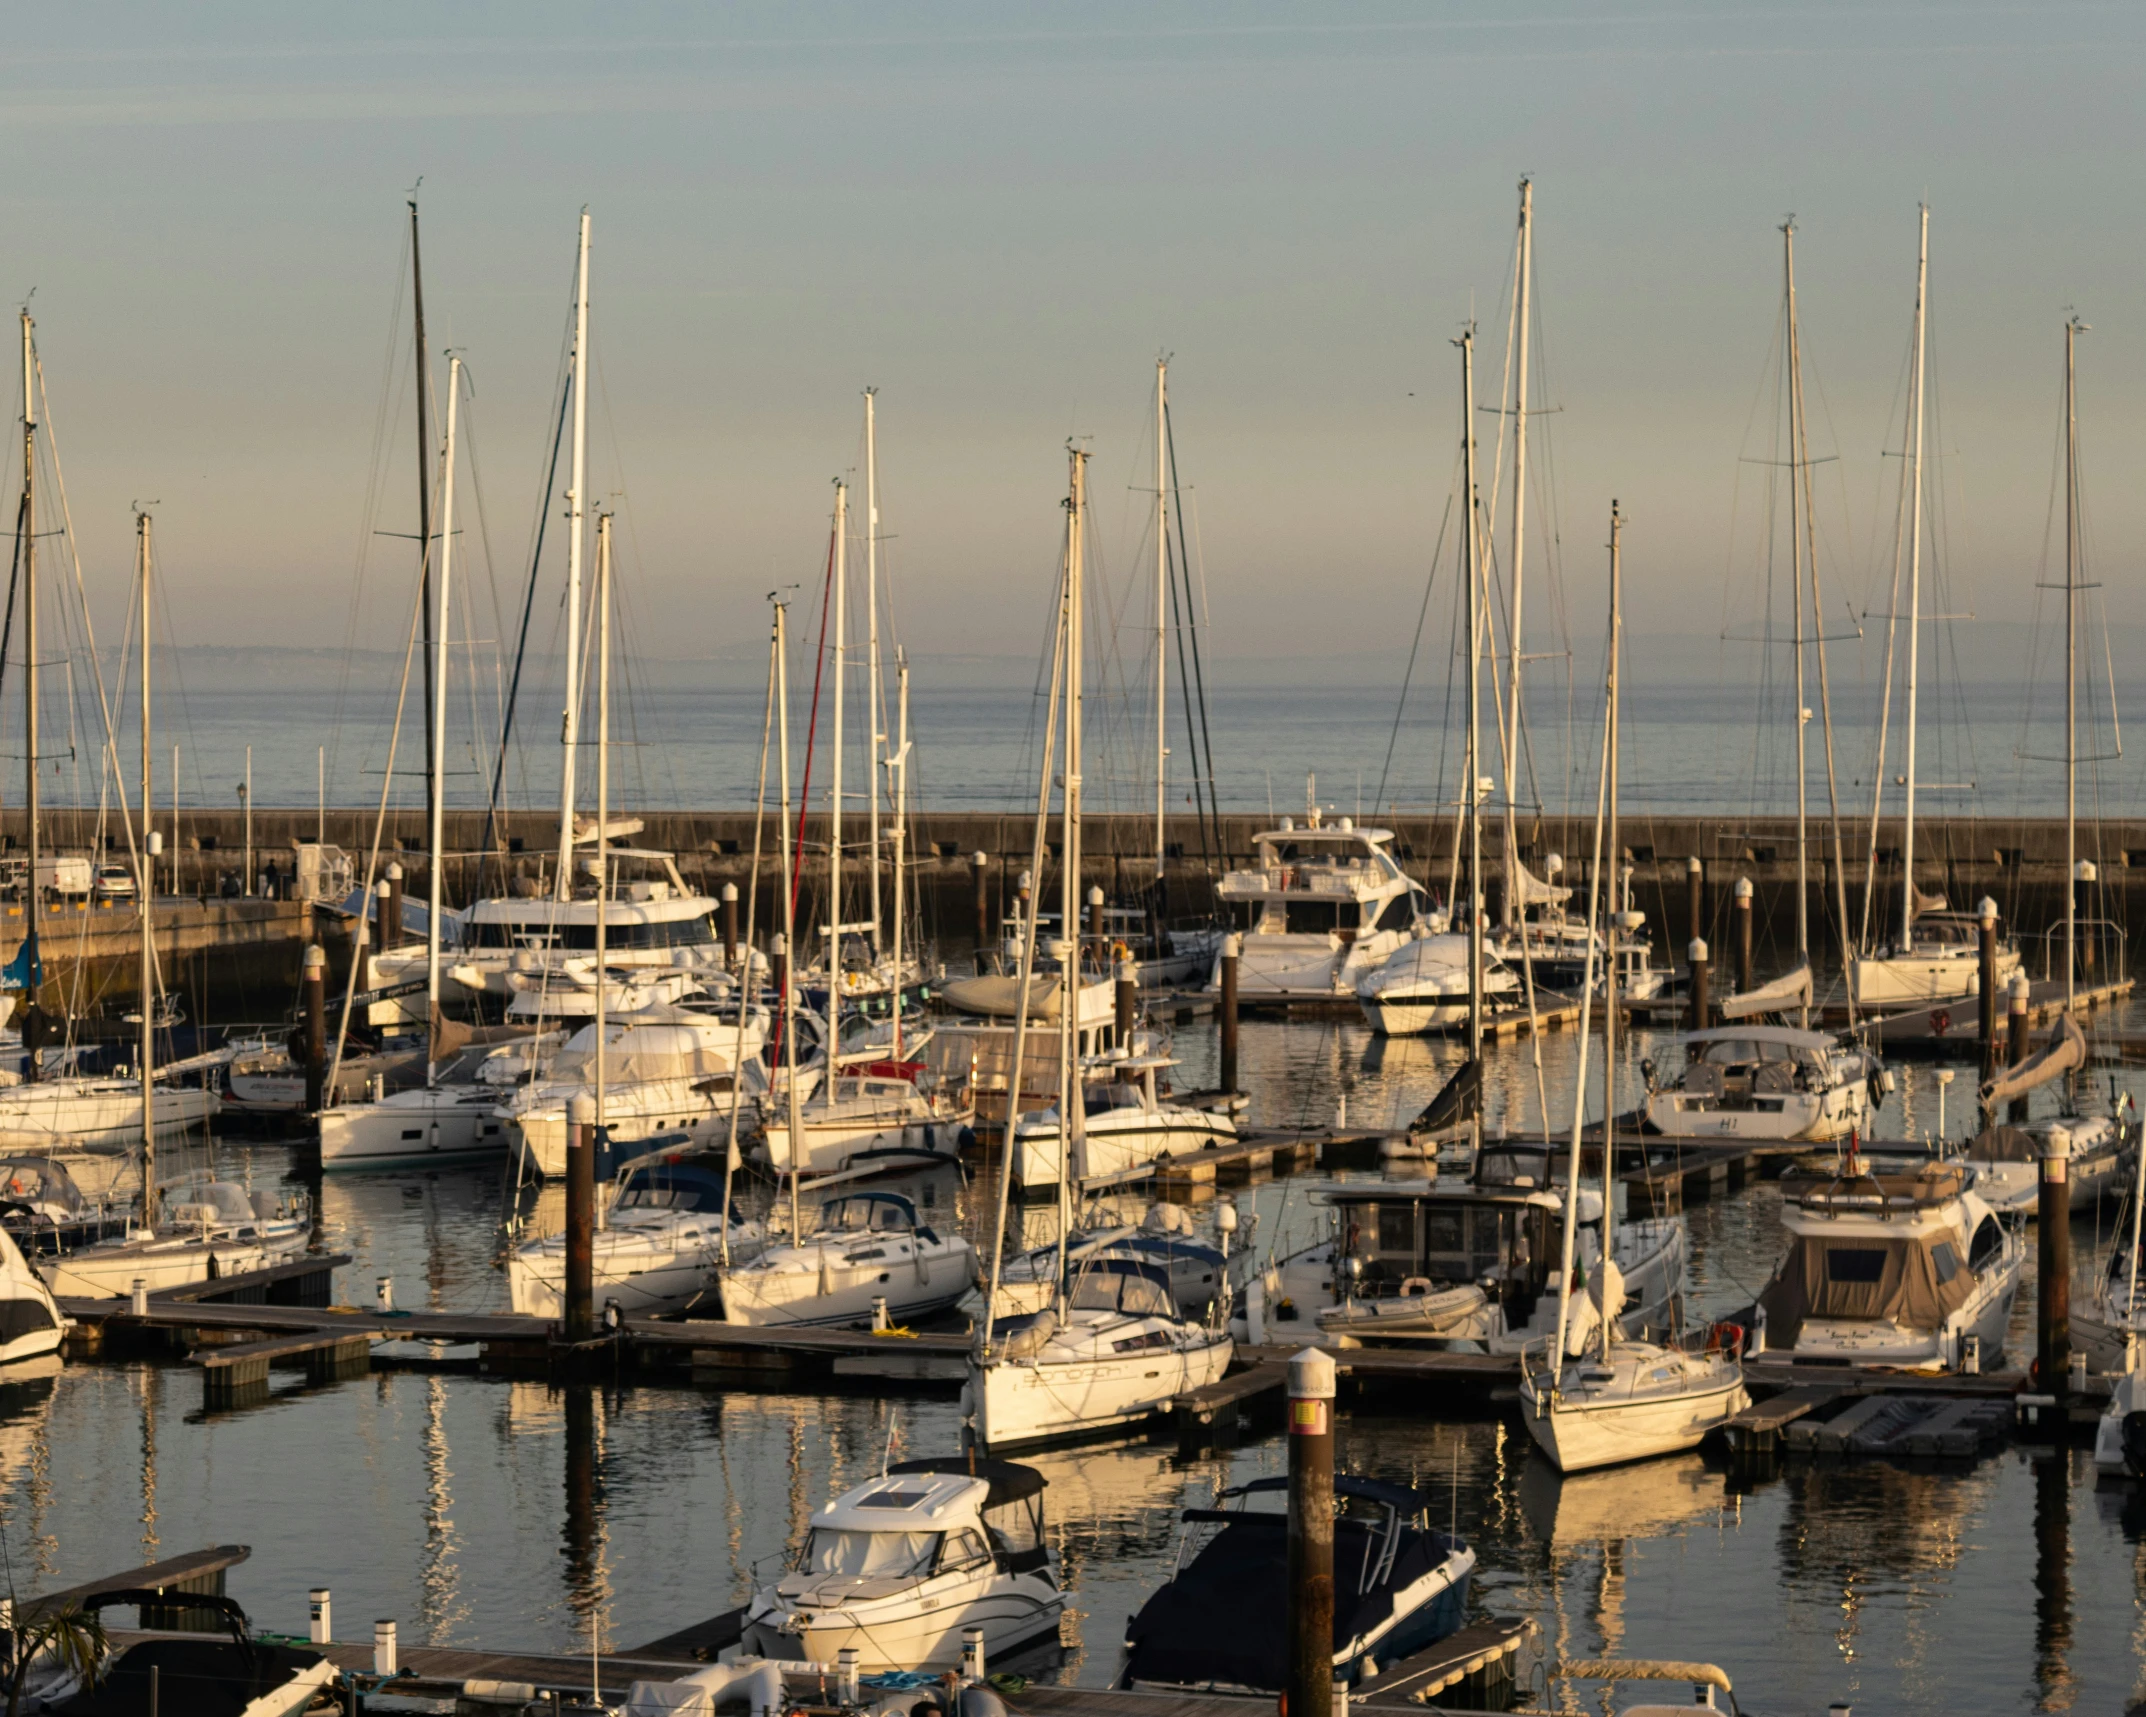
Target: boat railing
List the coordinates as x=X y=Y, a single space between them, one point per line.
x=1343 y=879
x=2097 y=936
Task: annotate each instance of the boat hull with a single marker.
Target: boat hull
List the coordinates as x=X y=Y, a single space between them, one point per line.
x=1019 y=1612
x=1109 y=1151
x=108 y=1117
x=1020 y=1404
x=1578 y=1438
x=371 y=1135
x=841 y=1295
x=1896 y=980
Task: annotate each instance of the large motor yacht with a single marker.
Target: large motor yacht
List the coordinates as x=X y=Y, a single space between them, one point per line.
x=1325 y=905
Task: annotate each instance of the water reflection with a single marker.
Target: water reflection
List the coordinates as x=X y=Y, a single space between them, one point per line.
x=2052 y=1578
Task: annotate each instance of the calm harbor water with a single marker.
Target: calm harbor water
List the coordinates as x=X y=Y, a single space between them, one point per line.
x=509 y=1514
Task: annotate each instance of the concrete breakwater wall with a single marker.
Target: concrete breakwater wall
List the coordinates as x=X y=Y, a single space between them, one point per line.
x=2020 y=863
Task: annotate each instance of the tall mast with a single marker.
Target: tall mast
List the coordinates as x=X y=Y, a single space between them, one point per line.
x=1072 y=1111
x=1610 y=918
x=603 y=794
x=871 y=641
x=834 y=821
x=436 y=730
x=145 y=887
x=32 y=966
x=1795 y=539
x=788 y=999
x=424 y=496
x=2073 y=328
x=1473 y=795
x=1907 y=813
x=1162 y=600
x=1524 y=265
x=570 y=727
x=899 y=763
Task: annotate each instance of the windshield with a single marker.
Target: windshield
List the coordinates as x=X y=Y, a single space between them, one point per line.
x=855 y=1215
x=871 y=1555
x=1109 y=1291
x=652 y=1189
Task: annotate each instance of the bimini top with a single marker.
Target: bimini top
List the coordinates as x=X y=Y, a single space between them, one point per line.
x=1398 y=1497
x=1781 y=1036
x=1009 y=1480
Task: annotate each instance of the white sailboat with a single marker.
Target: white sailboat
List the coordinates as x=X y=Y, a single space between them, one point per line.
x=1596 y=1402
x=1127 y=1125
x=865 y=1248
x=1936 y=955
x=1115 y=1346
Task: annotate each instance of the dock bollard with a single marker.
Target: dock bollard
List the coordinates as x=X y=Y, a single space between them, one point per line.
x=320 y=1630
x=1232 y=951
x=881 y=1322
x=1696 y=954
x=315 y=987
x=387 y=927
x=1695 y=898
x=2083 y=877
x=730 y=926
x=1743 y=935
x=1128 y=1002
x=1095 y=913
x=2053 y=1255
x=2017 y=1024
x=141 y=1297
x=580 y=1218
x=846 y=1688
x=980 y=871
x=1310 y=1685
x=1986 y=989
x=384 y=1293
x=383 y=1648
x=972 y=1653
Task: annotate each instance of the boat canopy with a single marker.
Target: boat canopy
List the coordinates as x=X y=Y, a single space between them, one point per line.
x=1009 y=1480
x=1789 y=990
x=1914 y=1280
x=1398 y=1497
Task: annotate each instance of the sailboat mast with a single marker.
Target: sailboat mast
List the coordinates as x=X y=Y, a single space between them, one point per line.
x=1907 y=810
x=1473 y=796
x=871 y=640
x=603 y=796
x=1795 y=542
x=834 y=821
x=2073 y=328
x=34 y=896
x=145 y=885
x=570 y=727
x=1162 y=606
x=1610 y=924
x=789 y=919
x=424 y=497
x=1524 y=265
x=900 y=833
x=436 y=731
x=1071 y=1109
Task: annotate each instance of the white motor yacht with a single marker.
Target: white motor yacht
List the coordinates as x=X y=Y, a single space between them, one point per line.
x=204 y=1229
x=456 y=1115
x=1941 y=962
x=1422 y=986
x=1896 y=1270
x=2008 y=1161
x=665 y=1071
x=1119 y=1351
x=1128 y=1124
x=657 y=1250
x=1323 y=906
x=1759 y=1082
x=866 y=1247
x=30 y=1323
x=1547 y=939
x=900 y=1568
x=855 y=1120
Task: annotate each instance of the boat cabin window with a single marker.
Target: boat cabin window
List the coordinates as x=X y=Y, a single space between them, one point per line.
x=1101 y=1099
x=1396 y=914
x=1111 y=1291
x=1946 y=1260
x=871 y=1555
x=653 y=1189
x=1448 y=1242
x=859 y=1215
x=964 y=1551
x=1988 y=1244
x=1317 y=917
x=1855 y=1263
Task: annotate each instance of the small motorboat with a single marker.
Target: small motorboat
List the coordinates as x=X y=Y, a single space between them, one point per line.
x=868 y=1246
x=30 y=1323
x=2008 y=1161
x=658 y=1249
x=1422 y=986
x=1114 y=1350
x=1220 y=1624
x=900 y=1567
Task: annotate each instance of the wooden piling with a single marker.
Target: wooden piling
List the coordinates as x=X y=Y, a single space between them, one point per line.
x=1232 y=951
x=316 y=1026
x=2052 y=1356
x=1310 y=1688
x=580 y=1219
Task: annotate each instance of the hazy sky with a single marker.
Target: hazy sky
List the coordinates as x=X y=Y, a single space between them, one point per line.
x=998 y=215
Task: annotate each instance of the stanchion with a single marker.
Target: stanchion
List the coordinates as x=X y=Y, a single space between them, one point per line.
x=315 y=989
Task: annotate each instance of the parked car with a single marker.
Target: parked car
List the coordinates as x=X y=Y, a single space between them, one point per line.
x=115 y=882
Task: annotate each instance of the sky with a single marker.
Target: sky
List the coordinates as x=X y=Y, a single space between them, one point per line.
x=998 y=216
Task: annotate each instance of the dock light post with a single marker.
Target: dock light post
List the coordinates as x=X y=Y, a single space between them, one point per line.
x=1700 y=997
x=315 y=988
x=390 y=920
x=730 y=926
x=1743 y=935
x=1986 y=991
x=1309 y=1691
x=980 y=875
x=1945 y=1077
x=2017 y=1022
x=321 y=1630
x=2052 y=1356
x=1232 y=951
x=580 y=1217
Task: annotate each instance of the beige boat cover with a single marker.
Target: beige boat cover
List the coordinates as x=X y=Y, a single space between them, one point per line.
x=1907 y=1290
x=2065 y=1050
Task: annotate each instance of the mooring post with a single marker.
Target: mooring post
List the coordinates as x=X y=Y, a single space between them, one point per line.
x=779 y=976
x=1700 y=997
x=322 y=1631
x=580 y=1218
x=315 y=989
x=1986 y=993
x=1095 y=915
x=1743 y=935
x=1232 y=950
x=1310 y=1688
x=2084 y=876
x=980 y=872
x=1128 y=1002
x=2021 y=992
x=1695 y=898
x=2053 y=1255
x=389 y=924
x=730 y=926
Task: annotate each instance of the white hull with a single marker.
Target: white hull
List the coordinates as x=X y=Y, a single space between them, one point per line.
x=1286 y=967
x=111 y=1270
x=1817 y=1117
x=1109 y=1150
x=1602 y=1433
x=837 y=1292
x=831 y=1144
x=642 y=1277
x=1020 y=1402
x=97 y=1113
x=1014 y=1614
x=1912 y=980
x=2129 y=1396
x=632 y=1115
x=416 y=1126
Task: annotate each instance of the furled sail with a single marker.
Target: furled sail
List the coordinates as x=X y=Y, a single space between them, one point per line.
x=2065 y=1050
x=1790 y=990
